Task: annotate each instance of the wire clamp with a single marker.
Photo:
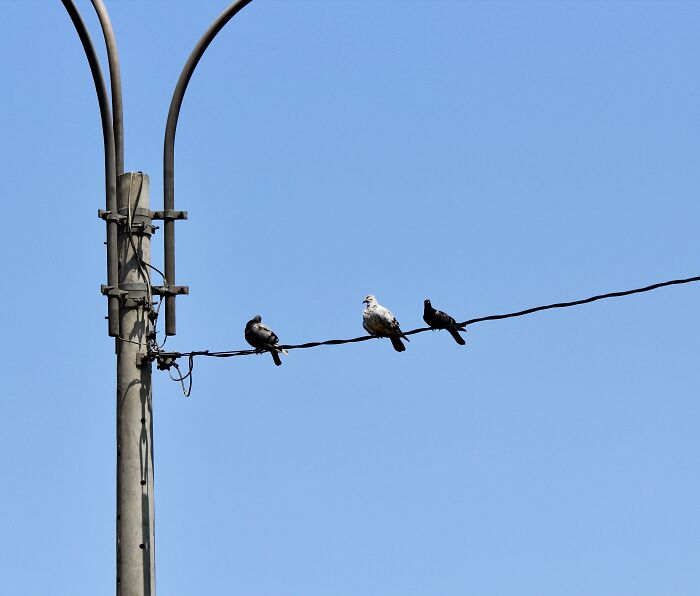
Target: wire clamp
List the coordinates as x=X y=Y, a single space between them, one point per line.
x=165 y=362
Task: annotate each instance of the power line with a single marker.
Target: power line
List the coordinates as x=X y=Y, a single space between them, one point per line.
x=520 y=313
x=168 y=359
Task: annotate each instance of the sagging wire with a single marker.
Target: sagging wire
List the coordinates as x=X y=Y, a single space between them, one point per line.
x=166 y=360
x=186 y=391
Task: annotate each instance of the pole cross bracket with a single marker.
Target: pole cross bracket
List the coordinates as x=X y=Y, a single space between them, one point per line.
x=110 y=216
x=140 y=227
x=170 y=290
x=140 y=219
x=169 y=214
x=113 y=291
x=131 y=295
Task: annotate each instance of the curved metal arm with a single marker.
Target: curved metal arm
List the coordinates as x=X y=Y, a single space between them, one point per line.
x=169 y=151
x=110 y=167
x=115 y=82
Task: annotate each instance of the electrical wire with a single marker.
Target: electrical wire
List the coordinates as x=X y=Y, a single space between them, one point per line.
x=152 y=313
x=187 y=391
x=143 y=271
x=528 y=311
x=168 y=359
x=129 y=341
x=129 y=226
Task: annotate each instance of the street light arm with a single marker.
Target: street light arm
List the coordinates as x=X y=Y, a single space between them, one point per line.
x=169 y=151
x=110 y=164
x=115 y=82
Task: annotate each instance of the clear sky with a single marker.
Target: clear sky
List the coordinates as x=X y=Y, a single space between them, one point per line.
x=491 y=156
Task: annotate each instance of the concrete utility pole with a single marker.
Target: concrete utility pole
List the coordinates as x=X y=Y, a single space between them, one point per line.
x=135 y=514
x=129 y=290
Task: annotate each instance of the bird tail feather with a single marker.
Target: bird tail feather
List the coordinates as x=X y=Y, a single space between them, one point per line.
x=457 y=337
x=276 y=357
x=397 y=343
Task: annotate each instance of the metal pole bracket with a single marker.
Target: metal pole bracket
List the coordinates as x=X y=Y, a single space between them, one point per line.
x=140 y=219
x=169 y=214
x=112 y=291
x=171 y=290
x=110 y=216
x=141 y=227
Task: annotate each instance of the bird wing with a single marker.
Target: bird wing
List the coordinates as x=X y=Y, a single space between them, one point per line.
x=267 y=335
x=437 y=318
x=388 y=320
x=444 y=318
x=366 y=322
x=372 y=321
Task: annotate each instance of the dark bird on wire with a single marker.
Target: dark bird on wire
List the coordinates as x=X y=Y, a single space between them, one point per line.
x=441 y=320
x=378 y=321
x=261 y=337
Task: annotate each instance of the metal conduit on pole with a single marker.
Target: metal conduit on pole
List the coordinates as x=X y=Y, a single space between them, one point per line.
x=115 y=83
x=110 y=216
x=169 y=154
x=130 y=297
x=130 y=291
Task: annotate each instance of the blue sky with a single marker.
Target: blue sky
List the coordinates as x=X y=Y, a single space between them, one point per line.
x=489 y=155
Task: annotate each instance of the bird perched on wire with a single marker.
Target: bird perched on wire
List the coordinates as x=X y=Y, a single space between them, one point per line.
x=378 y=321
x=261 y=337
x=441 y=320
